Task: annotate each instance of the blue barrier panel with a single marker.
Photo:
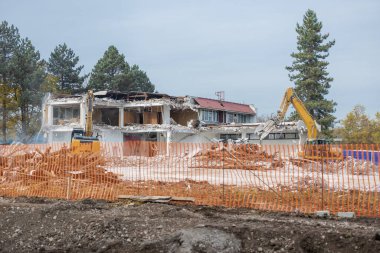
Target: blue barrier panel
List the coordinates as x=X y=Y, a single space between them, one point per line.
x=365 y=155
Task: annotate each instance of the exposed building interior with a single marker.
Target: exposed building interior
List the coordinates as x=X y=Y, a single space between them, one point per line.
x=65 y=114
x=156 y=118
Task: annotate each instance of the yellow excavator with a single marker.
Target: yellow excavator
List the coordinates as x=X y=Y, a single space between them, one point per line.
x=314 y=148
x=81 y=139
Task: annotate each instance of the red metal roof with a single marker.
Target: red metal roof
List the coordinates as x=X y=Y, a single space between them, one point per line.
x=218 y=105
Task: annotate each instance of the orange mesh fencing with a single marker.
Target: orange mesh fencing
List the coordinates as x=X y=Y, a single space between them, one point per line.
x=338 y=178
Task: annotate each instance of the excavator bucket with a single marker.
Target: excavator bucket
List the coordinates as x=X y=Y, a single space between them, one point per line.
x=265 y=129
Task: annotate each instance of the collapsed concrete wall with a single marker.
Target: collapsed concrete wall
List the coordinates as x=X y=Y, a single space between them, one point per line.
x=109 y=135
x=197 y=137
x=184 y=117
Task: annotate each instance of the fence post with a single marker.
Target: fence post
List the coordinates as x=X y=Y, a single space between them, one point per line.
x=323 y=182
x=139 y=180
x=68 y=191
x=223 y=197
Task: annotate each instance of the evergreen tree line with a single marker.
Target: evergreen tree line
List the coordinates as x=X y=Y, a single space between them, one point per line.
x=25 y=77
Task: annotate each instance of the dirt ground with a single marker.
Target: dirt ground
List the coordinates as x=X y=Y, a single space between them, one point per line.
x=43 y=225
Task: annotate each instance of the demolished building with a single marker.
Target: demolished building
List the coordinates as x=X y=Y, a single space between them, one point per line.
x=155 y=117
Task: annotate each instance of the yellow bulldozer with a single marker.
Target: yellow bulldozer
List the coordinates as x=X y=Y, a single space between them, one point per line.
x=82 y=140
x=315 y=148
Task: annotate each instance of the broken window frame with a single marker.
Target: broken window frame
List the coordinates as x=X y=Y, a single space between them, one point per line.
x=283 y=136
x=67 y=114
x=253 y=136
x=233 y=137
x=105 y=116
x=139 y=114
x=210 y=116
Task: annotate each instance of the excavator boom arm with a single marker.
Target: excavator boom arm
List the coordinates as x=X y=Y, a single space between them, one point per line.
x=90 y=109
x=285 y=104
x=311 y=125
x=290 y=98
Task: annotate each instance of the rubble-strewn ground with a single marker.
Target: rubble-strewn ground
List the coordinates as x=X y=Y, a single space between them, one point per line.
x=42 y=225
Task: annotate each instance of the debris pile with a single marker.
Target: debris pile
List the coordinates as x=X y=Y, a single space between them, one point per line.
x=234 y=156
x=24 y=165
x=306 y=182
x=348 y=165
x=309 y=182
x=353 y=166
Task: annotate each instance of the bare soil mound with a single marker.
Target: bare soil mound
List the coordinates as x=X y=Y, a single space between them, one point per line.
x=44 y=225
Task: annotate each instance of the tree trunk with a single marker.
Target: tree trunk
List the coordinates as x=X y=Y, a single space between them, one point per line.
x=24 y=122
x=4 y=125
x=5 y=109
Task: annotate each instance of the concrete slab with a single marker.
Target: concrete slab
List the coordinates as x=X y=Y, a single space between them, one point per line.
x=323 y=213
x=349 y=215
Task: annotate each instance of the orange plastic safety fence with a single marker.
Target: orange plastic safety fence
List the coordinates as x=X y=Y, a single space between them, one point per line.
x=268 y=177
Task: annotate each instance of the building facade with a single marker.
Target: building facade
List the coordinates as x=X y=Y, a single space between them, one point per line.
x=154 y=117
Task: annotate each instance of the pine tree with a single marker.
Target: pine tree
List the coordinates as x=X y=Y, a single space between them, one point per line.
x=112 y=72
x=308 y=70
x=138 y=81
x=9 y=39
x=29 y=74
x=63 y=64
x=22 y=73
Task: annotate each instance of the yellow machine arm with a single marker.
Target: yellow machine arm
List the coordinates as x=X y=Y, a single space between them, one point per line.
x=82 y=140
x=291 y=98
x=310 y=151
x=90 y=109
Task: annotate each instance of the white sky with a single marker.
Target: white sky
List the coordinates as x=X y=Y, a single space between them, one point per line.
x=200 y=47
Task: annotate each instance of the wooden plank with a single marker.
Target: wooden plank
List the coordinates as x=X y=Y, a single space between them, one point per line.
x=150 y=118
x=157 y=199
x=183 y=199
x=129 y=117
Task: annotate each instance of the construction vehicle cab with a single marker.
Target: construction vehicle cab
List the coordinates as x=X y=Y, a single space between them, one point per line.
x=314 y=148
x=82 y=139
x=81 y=143
x=320 y=149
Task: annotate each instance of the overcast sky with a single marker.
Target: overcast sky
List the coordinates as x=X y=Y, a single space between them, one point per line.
x=200 y=47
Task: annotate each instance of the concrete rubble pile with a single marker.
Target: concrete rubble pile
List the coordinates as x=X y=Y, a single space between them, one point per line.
x=234 y=156
x=308 y=182
x=25 y=165
x=349 y=166
x=353 y=166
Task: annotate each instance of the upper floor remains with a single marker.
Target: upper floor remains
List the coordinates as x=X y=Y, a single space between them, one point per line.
x=120 y=110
